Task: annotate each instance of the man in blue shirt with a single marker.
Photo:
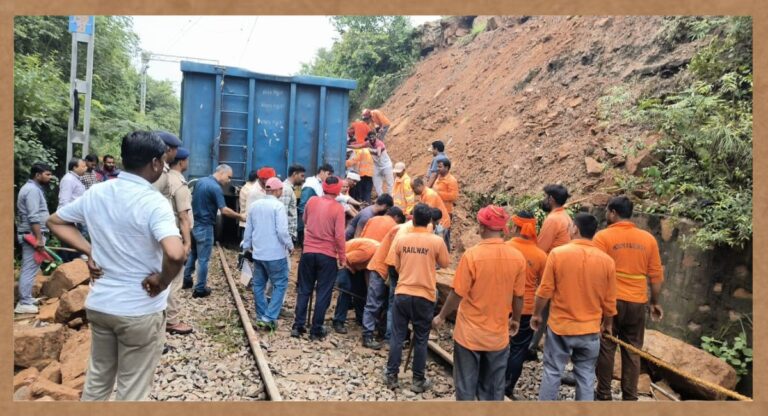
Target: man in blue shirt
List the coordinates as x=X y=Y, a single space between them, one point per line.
x=438 y=151
x=267 y=237
x=207 y=200
x=32 y=213
x=355 y=227
x=70 y=187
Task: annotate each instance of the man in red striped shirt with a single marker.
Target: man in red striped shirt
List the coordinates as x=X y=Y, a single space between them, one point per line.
x=323 y=256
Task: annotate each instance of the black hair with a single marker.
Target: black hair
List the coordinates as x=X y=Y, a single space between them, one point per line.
x=586 y=223
x=524 y=214
x=370 y=134
x=445 y=162
x=559 y=192
x=385 y=199
x=417 y=182
x=438 y=145
x=253 y=175
x=39 y=167
x=325 y=167
x=437 y=215
x=397 y=214
x=139 y=148
x=295 y=169
x=622 y=205
x=92 y=158
x=73 y=163
x=332 y=180
x=107 y=157
x=422 y=215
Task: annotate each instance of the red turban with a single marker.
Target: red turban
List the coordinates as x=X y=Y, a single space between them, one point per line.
x=527 y=227
x=332 y=189
x=494 y=218
x=266 y=173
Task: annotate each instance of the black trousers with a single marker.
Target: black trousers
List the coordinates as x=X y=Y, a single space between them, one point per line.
x=418 y=311
x=316 y=272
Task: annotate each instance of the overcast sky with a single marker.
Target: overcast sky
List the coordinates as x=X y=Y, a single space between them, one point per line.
x=269 y=44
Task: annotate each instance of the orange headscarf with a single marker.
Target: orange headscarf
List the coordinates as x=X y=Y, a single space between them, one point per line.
x=527 y=227
x=493 y=217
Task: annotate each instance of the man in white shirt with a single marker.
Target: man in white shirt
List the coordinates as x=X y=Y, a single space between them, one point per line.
x=70 y=187
x=136 y=252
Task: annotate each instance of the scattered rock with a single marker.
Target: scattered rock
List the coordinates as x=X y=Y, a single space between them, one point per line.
x=43 y=387
x=66 y=277
x=77 y=384
x=72 y=304
x=74 y=356
x=644 y=384
x=46 y=399
x=52 y=372
x=717 y=288
x=742 y=293
x=48 y=311
x=76 y=323
x=37 y=347
x=741 y=272
x=594 y=167
x=25 y=377
x=37 y=287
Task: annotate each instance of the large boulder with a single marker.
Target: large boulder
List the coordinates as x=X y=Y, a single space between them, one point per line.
x=74 y=356
x=43 y=387
x=692 y=360
x=72 y=304
x=37 y=347
x=65 y=278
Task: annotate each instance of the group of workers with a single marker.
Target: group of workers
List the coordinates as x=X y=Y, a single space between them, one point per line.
x=566 y=281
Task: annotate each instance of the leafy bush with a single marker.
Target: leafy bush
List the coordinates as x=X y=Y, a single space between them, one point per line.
x=738 y=353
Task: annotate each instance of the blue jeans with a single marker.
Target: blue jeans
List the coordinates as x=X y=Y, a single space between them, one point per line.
x=375 y=301
x=353 y=283
x=518 y=351
x=583 y=351
x=316 y=272
x=276 y=271
x=202 y=246
x=393 y=276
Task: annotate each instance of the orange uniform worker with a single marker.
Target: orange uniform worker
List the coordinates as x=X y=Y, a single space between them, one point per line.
x=430 y=197
x=361 y=129
x=580 y=281
x=638 y=263
x=377 y=122
x=378 y=227
x=402 y=192
x=488 y=285
x=416 y=254
x=351 y=279
x=525 y=242
x=361 y=162
x=447 y=187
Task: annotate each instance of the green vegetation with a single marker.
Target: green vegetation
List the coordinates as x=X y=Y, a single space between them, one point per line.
x=703 y=167
x=43 y=47
x=377 y=51
x=738 y=353
x=225 y=329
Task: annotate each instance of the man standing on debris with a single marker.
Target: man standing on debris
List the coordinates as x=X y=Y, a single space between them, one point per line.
x=295 y=178
x=324 y=254
x=351 y=279
x=525 y=242
x=355 y=227
x=268 y=238
x=382 y=165
x=402 y=193
x=638 y=263
x=108 y=169
x=136 y=254
x=242 y=198
x=181 y=202
x=488 y=285
x=377 y=122
x=580 y=281
x=207 y=200
x=438 y=154
x=430 y=197
x=361 y=130
x=32 y=214
x=91 y=176
x=416 y=254
x=70 y=187
x=313 y=186
x=361 y=162
x=447 y=187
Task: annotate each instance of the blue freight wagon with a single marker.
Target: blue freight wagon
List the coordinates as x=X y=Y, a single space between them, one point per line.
x=249 y=120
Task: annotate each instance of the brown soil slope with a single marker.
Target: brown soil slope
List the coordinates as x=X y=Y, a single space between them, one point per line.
x=517 y=106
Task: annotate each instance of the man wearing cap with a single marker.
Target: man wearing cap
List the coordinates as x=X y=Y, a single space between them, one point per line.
x=377 y=122
x=242 y=198
x=172 y=144
x=402 y=193
x=487 y=287
x=448 y=188
x=181 y=202
x=361 y=162
x=525 y=242
x=324 y=254
x=268 y=238
x=258 y=190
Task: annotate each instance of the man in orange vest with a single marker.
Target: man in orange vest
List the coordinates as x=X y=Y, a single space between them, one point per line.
x=448 y=188
x=488 y=286
x=638 y=265
x=377 y=122
x=402 y=192
x=361 y=161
